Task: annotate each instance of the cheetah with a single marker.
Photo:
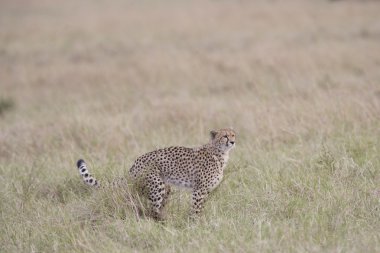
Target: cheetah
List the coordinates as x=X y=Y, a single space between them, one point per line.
x=198 y=169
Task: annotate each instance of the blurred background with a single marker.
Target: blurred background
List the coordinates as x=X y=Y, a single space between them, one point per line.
x=100 y=75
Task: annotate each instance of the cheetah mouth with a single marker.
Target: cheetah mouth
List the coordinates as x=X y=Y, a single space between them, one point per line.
x=231 y=144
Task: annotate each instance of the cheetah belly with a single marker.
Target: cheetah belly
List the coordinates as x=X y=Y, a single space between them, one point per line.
x=177 y=171
x=179 y=182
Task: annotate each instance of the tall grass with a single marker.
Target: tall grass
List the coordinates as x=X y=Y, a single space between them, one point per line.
x=110 y=80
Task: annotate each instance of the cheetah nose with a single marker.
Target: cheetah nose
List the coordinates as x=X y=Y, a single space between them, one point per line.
x=232 y=142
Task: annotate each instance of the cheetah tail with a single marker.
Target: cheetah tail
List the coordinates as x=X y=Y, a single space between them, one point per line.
x=86 y=176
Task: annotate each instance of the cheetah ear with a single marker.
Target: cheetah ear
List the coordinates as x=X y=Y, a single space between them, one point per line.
x=213 y=134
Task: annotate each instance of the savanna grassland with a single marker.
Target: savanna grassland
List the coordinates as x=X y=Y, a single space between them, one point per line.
x=110 y=80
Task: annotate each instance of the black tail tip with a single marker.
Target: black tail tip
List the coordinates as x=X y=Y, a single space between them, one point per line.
x=79 y=163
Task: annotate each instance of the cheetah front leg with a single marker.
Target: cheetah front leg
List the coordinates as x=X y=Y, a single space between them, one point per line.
x=198 y=198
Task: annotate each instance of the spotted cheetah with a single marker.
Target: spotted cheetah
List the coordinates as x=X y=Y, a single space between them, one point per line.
x=199 y=169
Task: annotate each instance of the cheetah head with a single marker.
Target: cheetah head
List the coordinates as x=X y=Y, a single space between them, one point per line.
x=223 y=139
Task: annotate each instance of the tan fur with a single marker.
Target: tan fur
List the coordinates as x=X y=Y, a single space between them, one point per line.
x=199 y=169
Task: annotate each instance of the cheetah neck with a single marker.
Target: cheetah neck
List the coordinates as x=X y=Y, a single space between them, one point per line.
x=225 y=157
x=222 y=156
x=215 y=150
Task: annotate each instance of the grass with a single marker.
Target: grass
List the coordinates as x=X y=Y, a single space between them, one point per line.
x=110 y=80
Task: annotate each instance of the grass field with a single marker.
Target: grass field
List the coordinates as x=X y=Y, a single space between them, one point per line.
x=110 y=80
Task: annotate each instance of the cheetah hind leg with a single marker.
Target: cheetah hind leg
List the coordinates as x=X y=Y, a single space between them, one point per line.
x=165 y=196
x=158 y=194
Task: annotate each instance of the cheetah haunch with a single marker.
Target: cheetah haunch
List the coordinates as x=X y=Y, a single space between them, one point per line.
x=200 y=169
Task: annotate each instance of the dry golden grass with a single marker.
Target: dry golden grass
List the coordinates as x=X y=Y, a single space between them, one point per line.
x=110 y=80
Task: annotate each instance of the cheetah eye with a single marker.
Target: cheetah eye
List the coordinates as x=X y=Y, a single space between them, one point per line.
x=225 y=136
